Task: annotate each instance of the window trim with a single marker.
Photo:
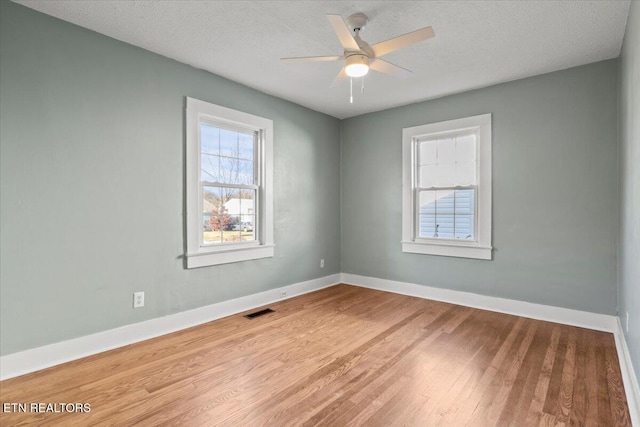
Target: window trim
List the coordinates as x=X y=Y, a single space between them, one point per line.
x=198 y=255
x=480 y=248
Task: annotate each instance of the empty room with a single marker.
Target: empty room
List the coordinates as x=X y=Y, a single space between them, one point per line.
x=300 y=213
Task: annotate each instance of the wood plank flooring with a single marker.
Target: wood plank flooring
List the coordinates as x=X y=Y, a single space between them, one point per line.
x=343 y=356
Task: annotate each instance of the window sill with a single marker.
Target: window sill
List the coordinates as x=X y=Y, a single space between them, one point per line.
x=448 y=249
x=229 y=255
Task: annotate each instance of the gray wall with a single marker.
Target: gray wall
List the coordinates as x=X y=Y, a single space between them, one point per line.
x=555 y=191
x=629 y=274
x=92 y=177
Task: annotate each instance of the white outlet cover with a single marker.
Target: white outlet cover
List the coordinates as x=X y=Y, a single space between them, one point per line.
x=138 y=299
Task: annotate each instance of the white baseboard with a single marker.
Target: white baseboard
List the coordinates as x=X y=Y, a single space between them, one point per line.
x=631 y=388
x=583 y=319
x=13 y=365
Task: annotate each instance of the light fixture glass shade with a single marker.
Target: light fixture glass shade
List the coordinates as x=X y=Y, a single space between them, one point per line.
x=356 y=65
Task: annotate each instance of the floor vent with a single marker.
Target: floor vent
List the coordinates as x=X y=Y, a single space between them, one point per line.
x=259 y=313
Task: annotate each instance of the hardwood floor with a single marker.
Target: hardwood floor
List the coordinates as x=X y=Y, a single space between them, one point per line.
x=343 y=356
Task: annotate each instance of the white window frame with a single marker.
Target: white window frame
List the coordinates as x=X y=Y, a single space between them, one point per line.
x=481 y=247
x=199 y=254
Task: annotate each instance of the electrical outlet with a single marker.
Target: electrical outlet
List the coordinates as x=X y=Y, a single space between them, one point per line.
x=283 y=294
x=138 y=299
x=626 y=326
x=321 y=263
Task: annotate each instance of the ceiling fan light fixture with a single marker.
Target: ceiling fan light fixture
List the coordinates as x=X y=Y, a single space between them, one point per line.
x=356 y=65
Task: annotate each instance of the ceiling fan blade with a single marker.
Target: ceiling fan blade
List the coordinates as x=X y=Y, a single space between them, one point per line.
x=386 y=67
x=404 y=40
x=314 y=58
x=343 y=32
x=342 y=76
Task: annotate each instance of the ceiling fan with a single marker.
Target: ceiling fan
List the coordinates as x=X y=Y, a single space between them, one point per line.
x=358 y=55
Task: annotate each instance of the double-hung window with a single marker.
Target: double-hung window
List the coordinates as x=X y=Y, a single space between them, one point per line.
x=447 y=188
x=229 y=194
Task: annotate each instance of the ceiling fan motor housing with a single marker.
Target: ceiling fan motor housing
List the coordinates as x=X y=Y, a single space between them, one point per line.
x=356 y=64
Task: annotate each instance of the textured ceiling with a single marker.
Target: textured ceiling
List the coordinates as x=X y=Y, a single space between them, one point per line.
x=477 y=43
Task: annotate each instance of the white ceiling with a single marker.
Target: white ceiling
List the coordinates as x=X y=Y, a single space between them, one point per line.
x=477 y=43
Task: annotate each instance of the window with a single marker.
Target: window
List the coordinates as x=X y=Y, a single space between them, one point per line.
x=229 y=194
x=447 y=188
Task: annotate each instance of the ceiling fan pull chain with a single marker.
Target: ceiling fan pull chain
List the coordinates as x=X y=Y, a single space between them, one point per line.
x=351 y=90
x=362 y=89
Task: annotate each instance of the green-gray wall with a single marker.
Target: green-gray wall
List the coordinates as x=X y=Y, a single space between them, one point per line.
x=555 y=191
x=92 y=177
x=629 y=273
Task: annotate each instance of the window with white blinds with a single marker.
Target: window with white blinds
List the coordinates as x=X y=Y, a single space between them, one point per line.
x=447 y=188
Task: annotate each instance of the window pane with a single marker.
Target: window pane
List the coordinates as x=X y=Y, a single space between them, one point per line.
x=209 y=139
x=466 y=148
x=247 y=202
x=211 y=200
x=444 y=226
x=231 y=201
x=209 y=167
x=215 y=216
x=465 y=210
x=218 y=224
x=245 y=172
x=446 y=151
x=247 y=227
x=227 y=156
x=465 y=202
x=228 y=228
x=248 y=207
x=427 y=213
x=444 y=214
x=209 y=235
x=446 y=175
x=428 y=176
x=228 y=170
x=229 y=214
x=228 y=143
x=444 y=201
x=246 y=147
x=464 y=227
x=427 y=152
x=240 y=229
x=466 y=173
x=206 y=224
x=427 y=202
x=427 y=226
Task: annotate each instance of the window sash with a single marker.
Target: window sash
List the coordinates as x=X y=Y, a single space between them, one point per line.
x=417 y=189
x=416 y=214
x=257 y=139
x=256 y=217
x=257 y=186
